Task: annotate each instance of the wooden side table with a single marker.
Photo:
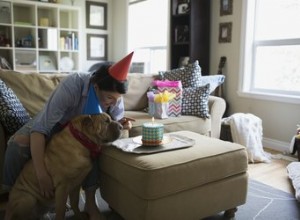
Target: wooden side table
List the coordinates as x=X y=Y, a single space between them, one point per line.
x=225 y=133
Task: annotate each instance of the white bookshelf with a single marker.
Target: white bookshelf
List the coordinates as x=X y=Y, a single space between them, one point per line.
x=40 y=37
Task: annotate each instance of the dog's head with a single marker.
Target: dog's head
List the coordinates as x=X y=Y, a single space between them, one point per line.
x=99 y=128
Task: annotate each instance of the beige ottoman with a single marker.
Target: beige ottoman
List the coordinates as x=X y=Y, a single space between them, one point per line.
x=189 y=183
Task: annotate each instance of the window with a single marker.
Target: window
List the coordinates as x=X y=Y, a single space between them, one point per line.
x=271 y=64
x=148 y=35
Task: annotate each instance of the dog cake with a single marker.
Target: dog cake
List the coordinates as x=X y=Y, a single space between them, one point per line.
x=152 y=133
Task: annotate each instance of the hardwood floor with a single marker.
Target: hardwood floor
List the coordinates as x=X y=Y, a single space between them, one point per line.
x=273 y=173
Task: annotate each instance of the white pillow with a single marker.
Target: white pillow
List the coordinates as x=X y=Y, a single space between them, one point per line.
x=213 y=80
x=293 y=170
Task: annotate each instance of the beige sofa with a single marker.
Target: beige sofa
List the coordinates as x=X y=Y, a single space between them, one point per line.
x=34 y=89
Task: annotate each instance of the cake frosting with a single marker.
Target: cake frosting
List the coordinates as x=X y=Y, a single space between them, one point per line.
x=152 y=134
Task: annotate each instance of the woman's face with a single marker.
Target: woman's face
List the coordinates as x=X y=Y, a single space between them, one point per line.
x=106 y=98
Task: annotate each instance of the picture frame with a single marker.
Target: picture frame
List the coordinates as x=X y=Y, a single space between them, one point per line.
x=226 y=7
x=96 y=47
x=182 y=34
x=183 y=7
x=225 y=32
x=96 y=15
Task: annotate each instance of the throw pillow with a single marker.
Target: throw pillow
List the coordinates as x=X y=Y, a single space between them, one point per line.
x=195 y=101
x=213 y=80
x=293 y=170
x=12 y=113
x=188 y=75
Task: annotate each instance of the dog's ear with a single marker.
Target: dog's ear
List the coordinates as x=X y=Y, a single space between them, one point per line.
x=87 y=121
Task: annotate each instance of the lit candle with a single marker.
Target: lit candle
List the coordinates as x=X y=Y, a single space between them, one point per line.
x=153 y=124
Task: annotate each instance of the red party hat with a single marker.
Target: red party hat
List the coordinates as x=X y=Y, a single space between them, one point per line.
x=120 y=69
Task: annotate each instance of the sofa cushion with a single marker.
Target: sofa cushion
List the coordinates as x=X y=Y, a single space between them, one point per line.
x=136 y=98
x=188 y=75
x=32 y=89
x=195 y=101
x=171 y=124
x=12 y=113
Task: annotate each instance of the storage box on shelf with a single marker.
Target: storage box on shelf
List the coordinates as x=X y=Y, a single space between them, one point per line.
x=38 y=36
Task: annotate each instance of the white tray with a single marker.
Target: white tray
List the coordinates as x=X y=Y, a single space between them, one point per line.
x=133 y=145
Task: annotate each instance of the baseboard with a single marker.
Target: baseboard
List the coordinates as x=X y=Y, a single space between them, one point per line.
x=273 y=144
x=282 y=147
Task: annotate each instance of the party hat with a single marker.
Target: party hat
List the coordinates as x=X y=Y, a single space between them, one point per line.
x=92 y=106
x=120 y=69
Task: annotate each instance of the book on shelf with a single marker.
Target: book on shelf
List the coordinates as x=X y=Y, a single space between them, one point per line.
x=69 y=42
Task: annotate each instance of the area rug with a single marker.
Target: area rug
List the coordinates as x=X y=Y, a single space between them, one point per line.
x=266 y=202
x=263 y=203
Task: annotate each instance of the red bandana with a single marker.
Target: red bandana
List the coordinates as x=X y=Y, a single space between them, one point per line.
x=85 y=141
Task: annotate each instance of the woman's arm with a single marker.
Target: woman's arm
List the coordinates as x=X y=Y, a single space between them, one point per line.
x=38 y=145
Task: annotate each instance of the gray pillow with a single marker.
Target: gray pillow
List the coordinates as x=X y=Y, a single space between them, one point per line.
x=188 y=75
x=12 y=113
x=195 y=101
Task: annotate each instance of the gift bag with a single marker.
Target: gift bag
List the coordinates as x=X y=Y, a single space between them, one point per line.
x=161 y=110
x=158 y=103
x=172 y=87
x=151 y=104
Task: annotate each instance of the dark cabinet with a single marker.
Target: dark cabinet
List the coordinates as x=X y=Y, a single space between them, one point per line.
x=190 y=32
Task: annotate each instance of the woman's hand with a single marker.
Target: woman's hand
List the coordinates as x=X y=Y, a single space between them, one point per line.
x=46 y=184
x=126 y=122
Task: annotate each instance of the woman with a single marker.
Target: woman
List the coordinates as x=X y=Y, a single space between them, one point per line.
x=76 y=94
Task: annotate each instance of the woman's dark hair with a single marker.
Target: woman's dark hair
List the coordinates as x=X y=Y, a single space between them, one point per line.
x=106 y=82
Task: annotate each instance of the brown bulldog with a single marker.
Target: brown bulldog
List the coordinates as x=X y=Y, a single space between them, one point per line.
x=68 y=160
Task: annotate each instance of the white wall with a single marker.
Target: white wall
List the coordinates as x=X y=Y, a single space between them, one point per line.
x=120 y=29
x=279 y=118
x=116 y=29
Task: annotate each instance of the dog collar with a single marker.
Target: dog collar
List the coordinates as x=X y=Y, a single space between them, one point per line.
x=85 y=141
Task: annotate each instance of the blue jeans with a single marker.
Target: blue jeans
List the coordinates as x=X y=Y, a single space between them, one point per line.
x=17 y=155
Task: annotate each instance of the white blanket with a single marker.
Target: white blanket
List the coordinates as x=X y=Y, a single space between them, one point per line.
x=246 y=129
